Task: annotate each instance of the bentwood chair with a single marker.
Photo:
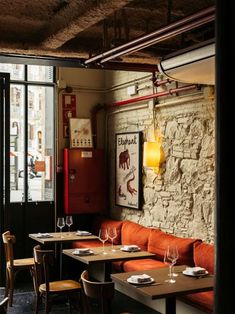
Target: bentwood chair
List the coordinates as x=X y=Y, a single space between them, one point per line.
x=101 y=292
x=13 y=266
x=46 y=289
x=3 y=306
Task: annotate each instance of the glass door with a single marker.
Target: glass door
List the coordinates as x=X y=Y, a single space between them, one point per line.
x=27 y=162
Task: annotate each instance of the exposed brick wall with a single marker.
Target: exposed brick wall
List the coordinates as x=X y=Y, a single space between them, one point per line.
x=181 y=200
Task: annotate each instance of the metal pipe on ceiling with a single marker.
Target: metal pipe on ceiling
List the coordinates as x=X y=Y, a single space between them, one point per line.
x=187 y=19
x=124 y=66
x=155 y=95
x=163 y=37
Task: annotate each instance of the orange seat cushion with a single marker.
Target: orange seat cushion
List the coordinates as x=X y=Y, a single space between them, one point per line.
x=159 y=240
x=204 y=256
x=133 y=233
x=202 y=300
x=142 y=264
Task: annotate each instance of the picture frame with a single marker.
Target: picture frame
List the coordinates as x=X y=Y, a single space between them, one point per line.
x=80 y=133
x=128 y=179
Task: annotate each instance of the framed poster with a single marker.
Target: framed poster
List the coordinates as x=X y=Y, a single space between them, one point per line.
x=128 y=181
x=80 y=133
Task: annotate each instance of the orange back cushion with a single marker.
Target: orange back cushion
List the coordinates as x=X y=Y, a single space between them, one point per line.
x=204 y=256
x=105 y=223
x=133 y=233
x=159 y=240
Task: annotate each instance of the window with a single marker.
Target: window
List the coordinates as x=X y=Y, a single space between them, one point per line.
x=31 y=136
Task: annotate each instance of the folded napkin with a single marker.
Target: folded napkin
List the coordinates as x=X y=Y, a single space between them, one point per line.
x=140 y=278
x=81 y=233
x=132 y=247
x=82 y=251
x=44 y=235
x=196 y=270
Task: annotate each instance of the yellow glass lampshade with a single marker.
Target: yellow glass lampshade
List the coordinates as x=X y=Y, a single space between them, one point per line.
x=153 y=155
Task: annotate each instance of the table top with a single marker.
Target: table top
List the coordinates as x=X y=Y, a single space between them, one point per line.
x=109 y=257
x=183 y=285
x=66 y=237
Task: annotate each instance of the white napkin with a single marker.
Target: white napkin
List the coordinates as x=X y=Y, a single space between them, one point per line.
x=81 y=233
x=140 y=278
x=195 y=270
x=81 y=251
x=131 y=247
x=44 y=235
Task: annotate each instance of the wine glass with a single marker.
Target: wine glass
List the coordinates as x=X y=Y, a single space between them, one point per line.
x=112 y=234
x=69 y=222
x=168 y=259
x=175 y=254
x=103 y=236
x=60 y=224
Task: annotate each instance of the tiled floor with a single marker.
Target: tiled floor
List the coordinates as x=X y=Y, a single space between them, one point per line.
x=24 y=303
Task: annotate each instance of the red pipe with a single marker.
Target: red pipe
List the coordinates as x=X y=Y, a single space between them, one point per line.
x=163 y=37
x=124 y=66
x=166 y=28
x=155 y=95
x=159 y=83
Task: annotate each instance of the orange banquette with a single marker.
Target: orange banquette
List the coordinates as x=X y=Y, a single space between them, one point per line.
x=192 y=252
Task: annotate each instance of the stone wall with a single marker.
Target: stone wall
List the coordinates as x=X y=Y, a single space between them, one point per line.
x=180 y=200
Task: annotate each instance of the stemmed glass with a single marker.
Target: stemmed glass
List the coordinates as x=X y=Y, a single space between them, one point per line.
x=168 y=259
x=69 y=222
x=112 y=234
x=175 y=254
x=60 y=224
x=103 y=236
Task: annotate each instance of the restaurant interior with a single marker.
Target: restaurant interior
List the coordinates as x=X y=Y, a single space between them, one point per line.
x=115 y=190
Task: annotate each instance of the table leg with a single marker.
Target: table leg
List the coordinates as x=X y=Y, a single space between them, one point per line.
x=61 y=249
x=170 y=305
x=100 y=271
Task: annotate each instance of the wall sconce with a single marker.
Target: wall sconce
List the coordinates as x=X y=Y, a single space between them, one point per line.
x=153 y=155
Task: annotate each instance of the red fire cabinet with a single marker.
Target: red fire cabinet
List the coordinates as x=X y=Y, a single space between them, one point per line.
x=84 y=181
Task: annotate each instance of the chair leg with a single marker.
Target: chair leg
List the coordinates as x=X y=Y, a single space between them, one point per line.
x=37 y=303
x=47 y=305
x=7 y=284
x=11 y=286
x=70 y=305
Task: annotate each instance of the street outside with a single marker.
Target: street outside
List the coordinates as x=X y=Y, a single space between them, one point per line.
x=34 y=192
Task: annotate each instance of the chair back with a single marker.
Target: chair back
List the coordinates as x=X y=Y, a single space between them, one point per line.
x=44 y=259
x=9 y=241
x=103 y=292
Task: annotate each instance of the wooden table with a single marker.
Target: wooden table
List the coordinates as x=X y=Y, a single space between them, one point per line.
x=99 y=264
x=56 y=238
x=147 y=294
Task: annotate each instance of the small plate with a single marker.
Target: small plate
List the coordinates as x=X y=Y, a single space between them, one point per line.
x=140 y=283
x=194 y=275
x=83 y=233
x=44 y=235
x=130 y=250
x=83 y=253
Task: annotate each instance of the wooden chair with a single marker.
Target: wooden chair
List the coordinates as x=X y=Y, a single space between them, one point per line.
x=44 y=288
x=3 y=306
x=102 y=292
x=13 y=265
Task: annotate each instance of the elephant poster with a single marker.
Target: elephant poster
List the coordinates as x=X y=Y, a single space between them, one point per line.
x=128 y=164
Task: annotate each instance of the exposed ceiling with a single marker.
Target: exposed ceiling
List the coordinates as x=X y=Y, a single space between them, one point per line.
x=82 y=29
